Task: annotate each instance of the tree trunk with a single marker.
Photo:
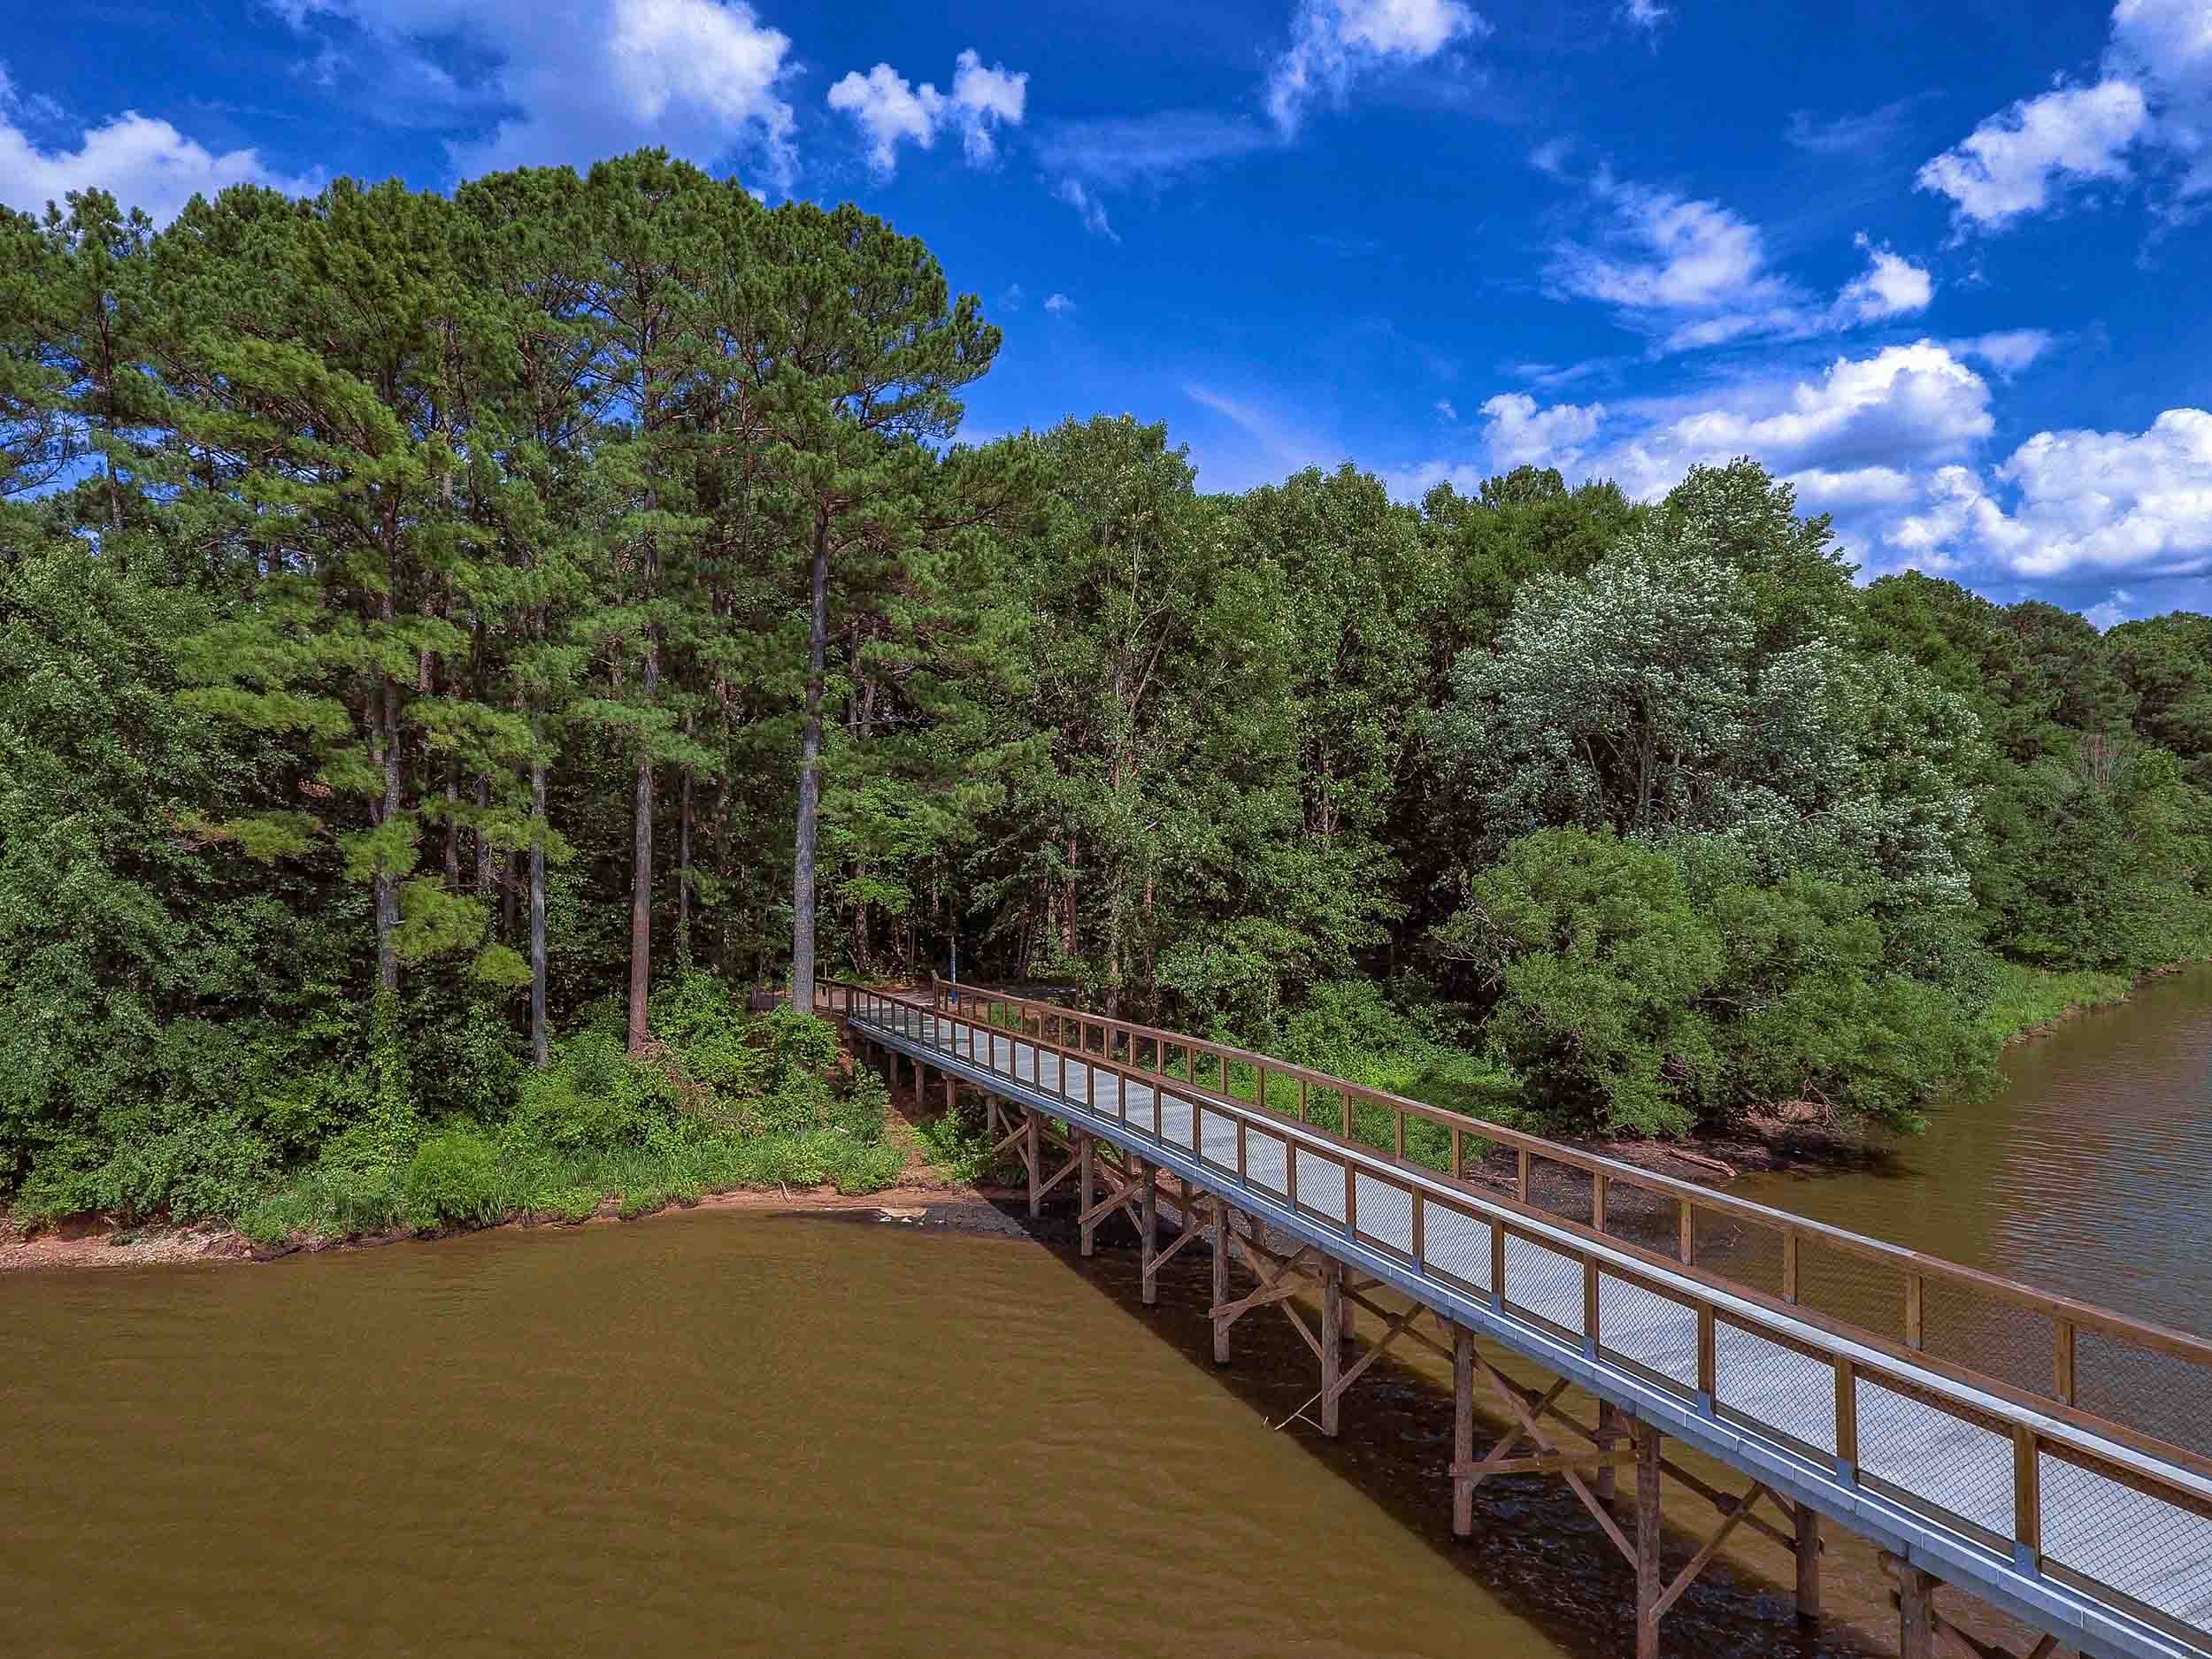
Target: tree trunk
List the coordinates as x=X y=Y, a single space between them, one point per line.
x=642 y=884
x=810 y=780
x=641 y=911
x=453 y=828
x=683 y=872
x=1067 y=905
x=483 y=840
x=541 y=1039
x=387 y=884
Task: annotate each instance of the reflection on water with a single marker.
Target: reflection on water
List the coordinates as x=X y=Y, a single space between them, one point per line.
x=780 y=1436
x=2090 y=1173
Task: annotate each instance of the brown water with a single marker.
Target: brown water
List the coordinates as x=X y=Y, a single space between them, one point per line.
x=724 y=1432
x=2090 y=1173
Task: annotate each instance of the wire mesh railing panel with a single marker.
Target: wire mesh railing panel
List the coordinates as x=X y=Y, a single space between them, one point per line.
x=1457 y=1244
x=2153 y=1552
x=1217 y=1139
x=1655 y=1332
x=1320 y=1184
x=1997 y=1338
x=1775 y=1385
x=1747 y=1252
x=1958 y=1467
x=1544 y=1282
x=1383 y=1212
x=1266 y=1160
x=1847 y=1285
x=2156 y=1393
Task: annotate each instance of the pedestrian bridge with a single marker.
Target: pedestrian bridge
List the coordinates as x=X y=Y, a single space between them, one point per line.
x=2038 y=1452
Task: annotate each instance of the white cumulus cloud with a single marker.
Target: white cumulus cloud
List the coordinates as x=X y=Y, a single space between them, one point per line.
x=1058 y=303
x=2102 y=501
x=2014 y=161
x=1333 y=41
x=1892 y=286
x=1516 y=431
x=2152 y=100
x=703 y=78
x=1697 y=273
x=889 y=108
x=142 y=161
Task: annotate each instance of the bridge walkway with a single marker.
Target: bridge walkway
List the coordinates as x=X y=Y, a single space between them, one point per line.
x=2085 y=1529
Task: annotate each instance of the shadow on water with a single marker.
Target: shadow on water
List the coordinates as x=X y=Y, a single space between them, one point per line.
x=1535 y=1551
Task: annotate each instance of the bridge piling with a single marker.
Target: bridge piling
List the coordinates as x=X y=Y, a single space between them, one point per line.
x=1085 y=1184
x=1653 y=1339
x=1032 y=1159
x=1915 y=1610
x=1807 y=1547
x=1649 y=1606
x=1149 y=1229
x=1462 y=1431
x=1331 y=1345
x=1607 y=1435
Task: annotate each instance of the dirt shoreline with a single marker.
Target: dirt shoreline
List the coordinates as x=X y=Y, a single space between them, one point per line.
x=89 y=1243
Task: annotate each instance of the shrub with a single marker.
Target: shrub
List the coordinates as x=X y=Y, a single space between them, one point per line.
x=593 y=1096
x=452 y=1180
x=701 y=1021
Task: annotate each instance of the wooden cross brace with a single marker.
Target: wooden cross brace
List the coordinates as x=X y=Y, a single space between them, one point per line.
x=1738 y=1506
x=1126 y=1194
x=1532 y=1426
x=1698 y=1563
x=1191 y=1228
x=1065 y=1169
x=1394 y=1326
x=1280 y=1278
x=1500 y=1455
x=1971 y=1646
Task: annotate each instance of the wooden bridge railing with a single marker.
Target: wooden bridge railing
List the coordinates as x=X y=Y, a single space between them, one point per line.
x=2086 y=1498
x=2151 y=1383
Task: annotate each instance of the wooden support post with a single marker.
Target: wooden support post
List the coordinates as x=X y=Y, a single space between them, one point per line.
x=1221 y=1279
x=1462 y=1430
x=1148 y=1228
x=1916 y=1611
x=951 y=1084
x=1345 y=1315
x=1085 y=1184
x=1332 y=1345
x=1647 y=1584
x=1808 y=1564
x=1608 y=1432
x=1033 y=1154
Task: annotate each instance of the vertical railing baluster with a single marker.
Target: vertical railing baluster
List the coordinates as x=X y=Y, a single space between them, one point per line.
x=1846 y=1418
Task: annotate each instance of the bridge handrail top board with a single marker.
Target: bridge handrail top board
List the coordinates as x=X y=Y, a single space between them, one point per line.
x=1975 y=1392
x=2180 y=1344
x=2075 y=1550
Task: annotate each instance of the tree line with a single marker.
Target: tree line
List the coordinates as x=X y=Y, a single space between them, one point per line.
x=432 y=623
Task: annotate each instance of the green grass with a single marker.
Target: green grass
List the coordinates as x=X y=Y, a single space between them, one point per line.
x=527 y=1182
x=2023 y=999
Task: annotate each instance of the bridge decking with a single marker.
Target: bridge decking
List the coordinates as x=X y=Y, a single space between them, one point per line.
x=2093 y=1533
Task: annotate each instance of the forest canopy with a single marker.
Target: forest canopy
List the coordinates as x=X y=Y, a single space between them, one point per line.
x=444 y=633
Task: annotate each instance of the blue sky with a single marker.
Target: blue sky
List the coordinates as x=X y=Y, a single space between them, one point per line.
x=1944 y=267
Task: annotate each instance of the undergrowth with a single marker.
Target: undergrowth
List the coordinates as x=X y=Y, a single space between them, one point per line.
x=718 y=1100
